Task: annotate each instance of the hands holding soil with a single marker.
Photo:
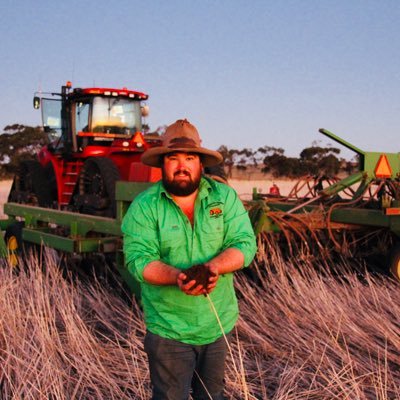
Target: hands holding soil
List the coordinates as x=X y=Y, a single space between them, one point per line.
x=198 y=279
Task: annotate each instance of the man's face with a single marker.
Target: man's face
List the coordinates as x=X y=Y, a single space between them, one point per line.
x=181 y=173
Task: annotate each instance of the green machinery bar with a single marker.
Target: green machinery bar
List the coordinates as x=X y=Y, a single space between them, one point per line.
x=79 y=233
x=344 y=184
x=71 y=245
x=79 y=224
x=3 y=226
x=342 y=141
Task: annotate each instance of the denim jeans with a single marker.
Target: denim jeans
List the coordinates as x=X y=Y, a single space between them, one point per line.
x=177 y=367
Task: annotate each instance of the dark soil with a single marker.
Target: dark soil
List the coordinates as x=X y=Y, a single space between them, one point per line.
x=200 y=273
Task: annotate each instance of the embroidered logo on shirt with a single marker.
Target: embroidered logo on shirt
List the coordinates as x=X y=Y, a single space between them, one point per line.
x=215 y=212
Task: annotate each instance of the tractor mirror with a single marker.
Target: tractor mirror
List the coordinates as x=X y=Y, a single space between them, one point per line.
x=145 y=111
x=36 y=102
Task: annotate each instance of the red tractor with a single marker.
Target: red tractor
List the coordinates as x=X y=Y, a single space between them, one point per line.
x=95 y=138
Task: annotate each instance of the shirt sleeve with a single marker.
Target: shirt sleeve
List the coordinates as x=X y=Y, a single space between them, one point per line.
x=238 y=231
x=141 y=243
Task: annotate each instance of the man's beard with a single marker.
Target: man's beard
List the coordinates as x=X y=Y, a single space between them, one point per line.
x=179 y=187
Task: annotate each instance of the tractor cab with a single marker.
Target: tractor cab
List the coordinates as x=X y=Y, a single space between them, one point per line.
x=77 y=118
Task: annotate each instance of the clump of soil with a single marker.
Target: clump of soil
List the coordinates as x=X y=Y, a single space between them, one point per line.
x=200 y=273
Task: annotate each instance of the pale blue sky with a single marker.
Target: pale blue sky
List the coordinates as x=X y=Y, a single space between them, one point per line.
x=246 y=73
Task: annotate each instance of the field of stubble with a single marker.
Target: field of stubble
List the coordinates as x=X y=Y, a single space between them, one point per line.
x=302 y=334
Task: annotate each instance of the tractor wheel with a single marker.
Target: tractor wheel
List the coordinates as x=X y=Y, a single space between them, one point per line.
x=394 y=261
x=14 y=243
x=97 y=187
x=30 y=185
x=217 y=172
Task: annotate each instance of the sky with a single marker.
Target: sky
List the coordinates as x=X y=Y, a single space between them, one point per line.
x=246 y=73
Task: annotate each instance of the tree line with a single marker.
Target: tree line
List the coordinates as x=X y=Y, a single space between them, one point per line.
x=20 y=142
x=313 y=160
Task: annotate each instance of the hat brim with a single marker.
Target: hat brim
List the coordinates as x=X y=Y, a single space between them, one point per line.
x=154 y=156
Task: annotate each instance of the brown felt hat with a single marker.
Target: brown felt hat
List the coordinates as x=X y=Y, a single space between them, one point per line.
x=181 y=136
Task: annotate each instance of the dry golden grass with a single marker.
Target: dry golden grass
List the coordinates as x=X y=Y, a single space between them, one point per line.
x=314 y=335
x=63 y=340
x=301 y=335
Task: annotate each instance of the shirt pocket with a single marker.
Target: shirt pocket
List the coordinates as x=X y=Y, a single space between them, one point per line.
x=172 y=241
x=212 y=235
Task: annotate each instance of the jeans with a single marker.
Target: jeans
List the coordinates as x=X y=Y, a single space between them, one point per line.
x=177 y=367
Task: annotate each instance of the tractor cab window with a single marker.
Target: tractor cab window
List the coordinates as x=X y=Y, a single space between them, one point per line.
x=116 y=115
x=51 y=117
x=82 y=116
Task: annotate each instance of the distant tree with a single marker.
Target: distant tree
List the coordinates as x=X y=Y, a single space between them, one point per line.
x=224 y=152
x=318 y=160
x=277 y=164
x=230 y=157
x=270 y=150
x=246 y=156
x=266 y=151
x=330 y=165
x=19 y=142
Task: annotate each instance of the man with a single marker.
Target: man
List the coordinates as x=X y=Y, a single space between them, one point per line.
x=182 y=221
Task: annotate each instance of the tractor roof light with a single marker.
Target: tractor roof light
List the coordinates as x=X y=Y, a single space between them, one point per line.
x=115 y=92
x=93 y=91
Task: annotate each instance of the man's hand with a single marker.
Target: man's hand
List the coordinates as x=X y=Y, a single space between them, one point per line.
x=190 y=287
x=213 y=277
x=198 y=279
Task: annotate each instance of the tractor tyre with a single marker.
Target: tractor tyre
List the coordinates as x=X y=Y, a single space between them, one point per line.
x=30 y=185
x=394 y=261
x=217 y=172
x=14 y=243
x=97 y=187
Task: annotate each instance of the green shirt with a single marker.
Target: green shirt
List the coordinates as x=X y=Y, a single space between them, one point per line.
x=155 y=228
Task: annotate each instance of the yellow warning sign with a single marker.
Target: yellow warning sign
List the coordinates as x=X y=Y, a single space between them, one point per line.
x=383 y=169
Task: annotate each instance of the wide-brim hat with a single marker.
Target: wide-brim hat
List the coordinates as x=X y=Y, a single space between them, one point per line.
x=181 y=136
